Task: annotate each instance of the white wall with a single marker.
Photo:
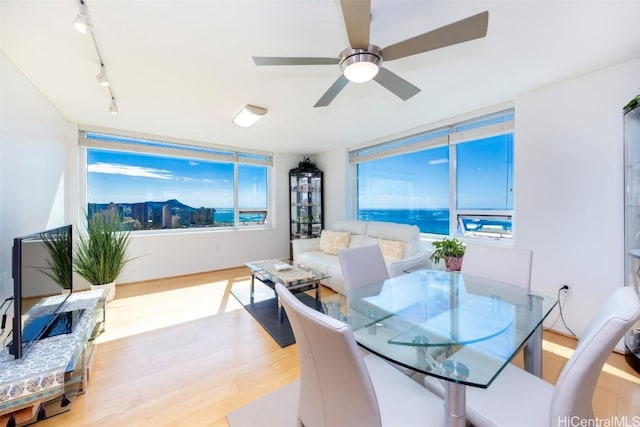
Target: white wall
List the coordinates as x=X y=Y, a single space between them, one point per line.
x=32 y=165
x=568 y=166
x=39 y=190
x=569 y=186
x=337 y=198
x=175 y=254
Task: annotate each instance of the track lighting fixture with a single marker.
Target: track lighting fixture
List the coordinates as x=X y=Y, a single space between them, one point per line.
x=113 y=108
x=81 y=23
x=102 y=77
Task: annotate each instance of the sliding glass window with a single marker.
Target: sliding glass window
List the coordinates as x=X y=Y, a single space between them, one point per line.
x=155 y=184
x=453 y=180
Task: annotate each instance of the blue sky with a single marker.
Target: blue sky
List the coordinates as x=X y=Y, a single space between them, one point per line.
x=420 y=180
x=131 y=177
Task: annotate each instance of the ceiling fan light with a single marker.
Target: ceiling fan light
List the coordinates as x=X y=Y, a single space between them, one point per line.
x=360 y=72
x=359 y=65
x=249 y=115
x=81 y=22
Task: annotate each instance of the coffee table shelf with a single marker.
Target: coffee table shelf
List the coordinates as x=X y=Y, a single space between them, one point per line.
x=295 y=278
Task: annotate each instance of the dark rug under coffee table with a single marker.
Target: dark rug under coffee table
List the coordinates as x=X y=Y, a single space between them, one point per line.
x=264 y=309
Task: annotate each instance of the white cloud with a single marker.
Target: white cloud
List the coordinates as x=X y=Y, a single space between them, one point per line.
x=116 y=169
x=438 y=161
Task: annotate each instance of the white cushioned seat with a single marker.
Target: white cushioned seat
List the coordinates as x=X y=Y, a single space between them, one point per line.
x=338 y=387
x=518 y=398
x=415 y=252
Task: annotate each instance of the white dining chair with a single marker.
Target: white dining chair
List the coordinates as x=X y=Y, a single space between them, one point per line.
x=362 y=266
x=517 y=397
x=339 y=387
x=507 y=265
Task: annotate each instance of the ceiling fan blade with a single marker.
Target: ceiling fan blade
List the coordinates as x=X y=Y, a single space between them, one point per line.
x=282 y=60
x=396 y=84
x=332 y=92
x=357 y=19
x=471 y=28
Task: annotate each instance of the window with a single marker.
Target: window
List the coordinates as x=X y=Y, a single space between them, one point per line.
x=455 y=180
x=165 y=185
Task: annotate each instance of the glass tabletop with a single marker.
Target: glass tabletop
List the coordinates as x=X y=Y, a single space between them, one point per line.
x=276 y=270
x=430 y=320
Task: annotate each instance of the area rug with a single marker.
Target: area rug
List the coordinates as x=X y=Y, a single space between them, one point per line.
x=276 y=409
x=264 y=308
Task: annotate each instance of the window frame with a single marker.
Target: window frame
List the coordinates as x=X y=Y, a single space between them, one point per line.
x=474 y=126
x=123 y=141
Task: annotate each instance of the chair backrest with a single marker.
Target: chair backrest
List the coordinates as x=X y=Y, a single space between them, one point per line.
x=335 y=387
x=507 y=265
x=574 y=389
x=362 y=266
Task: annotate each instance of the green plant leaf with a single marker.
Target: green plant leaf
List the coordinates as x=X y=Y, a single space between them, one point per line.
x=447 y=247
x=100 y=256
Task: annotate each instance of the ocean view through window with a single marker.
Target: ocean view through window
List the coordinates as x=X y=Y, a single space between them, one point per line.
x=454 y=180
x=154 y=186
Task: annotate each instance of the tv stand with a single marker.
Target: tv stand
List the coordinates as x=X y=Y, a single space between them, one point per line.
x=56 y=368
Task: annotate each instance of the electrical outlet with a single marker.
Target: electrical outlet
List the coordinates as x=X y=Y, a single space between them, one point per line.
x=566 y=289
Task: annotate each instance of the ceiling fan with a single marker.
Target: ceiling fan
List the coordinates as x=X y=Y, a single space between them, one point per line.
x=361 y=61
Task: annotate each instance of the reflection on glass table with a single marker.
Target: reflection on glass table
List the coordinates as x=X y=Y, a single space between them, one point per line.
x=459 y=328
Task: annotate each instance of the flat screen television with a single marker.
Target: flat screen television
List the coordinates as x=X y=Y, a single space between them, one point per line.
x=42 y=270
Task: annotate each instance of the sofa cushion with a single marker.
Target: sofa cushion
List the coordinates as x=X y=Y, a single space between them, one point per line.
x=392 y=250
x=410 y=234
x=332 y=241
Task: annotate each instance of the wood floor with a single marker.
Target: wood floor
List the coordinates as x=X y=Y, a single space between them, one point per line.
x=182 y=351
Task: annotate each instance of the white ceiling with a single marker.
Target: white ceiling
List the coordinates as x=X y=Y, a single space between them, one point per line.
x=183 y=68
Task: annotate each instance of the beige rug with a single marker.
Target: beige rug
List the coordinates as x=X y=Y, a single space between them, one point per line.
x=276 y=409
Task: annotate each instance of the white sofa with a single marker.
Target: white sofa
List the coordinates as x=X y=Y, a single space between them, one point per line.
x=362 y=233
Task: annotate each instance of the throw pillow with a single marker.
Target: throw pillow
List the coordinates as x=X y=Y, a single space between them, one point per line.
x=332 y=241
x=392 y=250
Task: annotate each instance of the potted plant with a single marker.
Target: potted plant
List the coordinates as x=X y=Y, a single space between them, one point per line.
x=100 y=256
x=451 y=250
x=58 y=246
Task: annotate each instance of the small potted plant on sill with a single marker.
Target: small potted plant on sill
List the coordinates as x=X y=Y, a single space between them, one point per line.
x=451 y=250
x=100 y=256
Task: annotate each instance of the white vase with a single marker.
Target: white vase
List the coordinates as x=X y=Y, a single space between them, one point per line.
x=111 y=294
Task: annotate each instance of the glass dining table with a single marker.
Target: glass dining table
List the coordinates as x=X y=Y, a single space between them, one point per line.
x=458 y=328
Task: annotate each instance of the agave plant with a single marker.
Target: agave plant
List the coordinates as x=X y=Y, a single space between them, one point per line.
x=58 y=245
x=101 y=255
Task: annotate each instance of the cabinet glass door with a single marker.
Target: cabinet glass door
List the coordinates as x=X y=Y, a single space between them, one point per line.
x=632 y=223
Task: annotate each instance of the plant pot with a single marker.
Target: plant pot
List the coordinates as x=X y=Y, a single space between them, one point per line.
x=453 y=263
x=111 y=294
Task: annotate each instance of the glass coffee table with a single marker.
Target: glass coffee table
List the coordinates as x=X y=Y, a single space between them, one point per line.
x=295 y=278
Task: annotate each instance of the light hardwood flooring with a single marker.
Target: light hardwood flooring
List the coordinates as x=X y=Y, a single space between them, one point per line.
x=183 y=352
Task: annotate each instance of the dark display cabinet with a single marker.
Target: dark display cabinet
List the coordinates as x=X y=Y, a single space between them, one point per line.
x=632 y=219
x=306 y=203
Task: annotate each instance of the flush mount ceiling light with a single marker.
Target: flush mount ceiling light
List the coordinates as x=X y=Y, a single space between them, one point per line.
x=102 y=77
x=360 y=65
x=81 y=23
x=249 y=115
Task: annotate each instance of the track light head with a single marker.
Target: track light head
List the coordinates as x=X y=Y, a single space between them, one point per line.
x=102 y=77
x=113 y=108
x=81 y=23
